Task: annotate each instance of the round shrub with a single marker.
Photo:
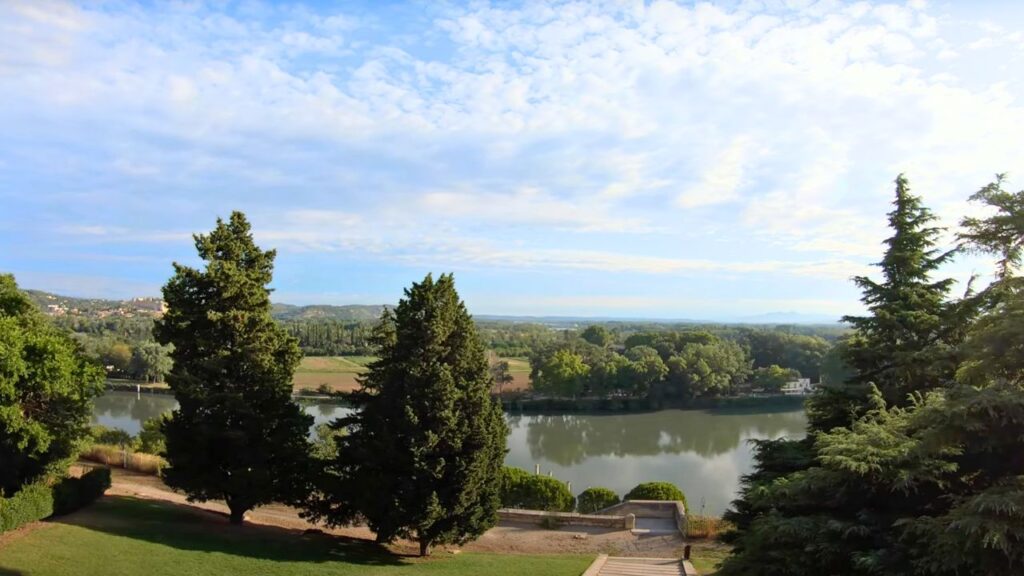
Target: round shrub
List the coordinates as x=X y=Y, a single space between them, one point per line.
x=520 y=489
x=656 y=491
x=593 y=499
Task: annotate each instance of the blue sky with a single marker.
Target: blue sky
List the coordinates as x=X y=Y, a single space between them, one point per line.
x=638 y=159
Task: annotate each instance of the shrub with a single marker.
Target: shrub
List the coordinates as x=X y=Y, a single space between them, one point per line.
x=656 y=491
x=31 y=503
x=71 y=494
x=593 y=499
x=112 y=436
x=112 y=456
x=151 y=439
x=520 y=489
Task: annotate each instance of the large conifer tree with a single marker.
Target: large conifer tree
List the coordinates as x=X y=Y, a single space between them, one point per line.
x=236 y=435
x=907 y=341
x=423 y=454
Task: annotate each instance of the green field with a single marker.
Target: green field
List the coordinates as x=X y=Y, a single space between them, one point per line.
x=339 y=373
x=126 y=536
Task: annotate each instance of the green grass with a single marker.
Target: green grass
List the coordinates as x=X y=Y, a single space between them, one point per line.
x=126 y=536
x=707 y=555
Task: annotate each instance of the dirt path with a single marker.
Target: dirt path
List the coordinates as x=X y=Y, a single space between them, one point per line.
x=506 y=538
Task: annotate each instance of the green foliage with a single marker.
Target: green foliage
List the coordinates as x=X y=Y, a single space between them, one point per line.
x=644 y=370
x=112 y=436
x=423 y=454
x=150 y=362
x=926 y=485
x=325 y=446
x=46 y=392
x=799 y=352
x=41 y=500
x=151 y=439
x=597 y=335
x=562 y=374
x=656 y=491
x=236 y=435
x=521 y=489
x=907 y=342
x=72 y=494
x=706 y=369
x=773 y=378
x=501 y=374
x=593 y=499
x=33 y=502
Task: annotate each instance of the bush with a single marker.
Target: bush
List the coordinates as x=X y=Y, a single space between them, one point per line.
x=711 y=527
x=656 y=491
x=520 y=489
x=593 y=499
x=113 y=436
x=31 y=503
x=151 y=439
x=71 y=494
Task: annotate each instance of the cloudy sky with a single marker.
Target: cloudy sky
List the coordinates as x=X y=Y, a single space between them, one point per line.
x=641 y=159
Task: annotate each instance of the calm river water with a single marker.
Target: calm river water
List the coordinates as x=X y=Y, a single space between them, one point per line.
x=702 y=452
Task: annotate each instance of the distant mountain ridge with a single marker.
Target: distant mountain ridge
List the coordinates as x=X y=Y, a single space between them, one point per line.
x=346 y=313
x=56 y=305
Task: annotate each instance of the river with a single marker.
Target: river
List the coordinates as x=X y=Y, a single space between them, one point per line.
x=704 y=452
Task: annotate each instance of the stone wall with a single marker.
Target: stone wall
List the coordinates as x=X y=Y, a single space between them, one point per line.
x=617 y=521
x=652 y=509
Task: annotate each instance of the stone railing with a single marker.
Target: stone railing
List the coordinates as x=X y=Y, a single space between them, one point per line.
x=616 y=521
x=652 y=509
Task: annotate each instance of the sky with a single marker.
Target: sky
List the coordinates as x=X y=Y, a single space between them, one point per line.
x=653 y=159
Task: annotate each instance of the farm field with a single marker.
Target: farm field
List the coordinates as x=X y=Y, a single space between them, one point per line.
x=339 y=373
x=125 y=536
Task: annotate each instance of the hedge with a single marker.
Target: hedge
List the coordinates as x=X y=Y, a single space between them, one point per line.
x=31 y=503
x=41 y=500
x=656 y=491
x=521 y=489
x=593 y=499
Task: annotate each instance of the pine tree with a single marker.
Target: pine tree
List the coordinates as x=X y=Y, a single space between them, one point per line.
x=46 y=391
x=423 y=455
x=907 y=341
x=236 y=435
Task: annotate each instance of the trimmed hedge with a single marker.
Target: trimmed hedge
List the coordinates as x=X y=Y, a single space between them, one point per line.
x=521 y=489
x=656 y=491
x=74 y=493
x=593 y=499
x=31 y=503
x=41 y=500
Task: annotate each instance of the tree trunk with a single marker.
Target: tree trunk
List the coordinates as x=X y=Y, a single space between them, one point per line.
x=424 y=547
x=237 y=513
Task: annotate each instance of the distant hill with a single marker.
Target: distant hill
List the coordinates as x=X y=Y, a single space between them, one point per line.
x=57 y=305
x=347 y=313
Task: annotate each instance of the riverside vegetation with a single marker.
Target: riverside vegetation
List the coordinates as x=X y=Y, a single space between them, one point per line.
x=911 y=464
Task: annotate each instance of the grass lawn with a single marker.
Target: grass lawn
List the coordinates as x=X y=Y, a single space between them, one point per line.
x=339 y=373
x=707 y=555
x=126 y=536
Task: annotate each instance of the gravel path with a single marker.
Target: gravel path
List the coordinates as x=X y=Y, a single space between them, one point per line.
x=506 y=538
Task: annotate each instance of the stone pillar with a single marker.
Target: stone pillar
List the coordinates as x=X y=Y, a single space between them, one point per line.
x=630 y=521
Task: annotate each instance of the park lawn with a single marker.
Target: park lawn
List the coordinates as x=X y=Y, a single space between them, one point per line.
x=127 y=536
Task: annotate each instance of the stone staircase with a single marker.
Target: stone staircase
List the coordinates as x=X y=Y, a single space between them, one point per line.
x=624 y=566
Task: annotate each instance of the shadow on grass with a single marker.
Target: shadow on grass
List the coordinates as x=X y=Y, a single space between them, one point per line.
x=189 y=528
x=6 y=572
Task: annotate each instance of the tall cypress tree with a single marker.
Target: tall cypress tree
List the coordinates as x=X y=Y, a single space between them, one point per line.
x=236 y=435
x=906 y=343
x=423 y=454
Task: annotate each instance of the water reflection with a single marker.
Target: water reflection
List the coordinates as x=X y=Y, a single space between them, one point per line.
x=704 y=452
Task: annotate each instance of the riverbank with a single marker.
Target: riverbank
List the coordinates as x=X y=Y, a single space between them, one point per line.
x=767 y=403
x=520 y=405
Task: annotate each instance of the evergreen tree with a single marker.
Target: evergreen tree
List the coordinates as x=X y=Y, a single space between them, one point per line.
x=46 y=391
x=236 y=435
x=423 y=455
x=907 y=341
